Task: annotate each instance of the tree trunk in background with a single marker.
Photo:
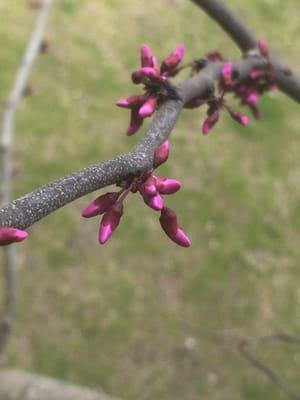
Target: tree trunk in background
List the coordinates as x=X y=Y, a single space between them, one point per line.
x=20 y=385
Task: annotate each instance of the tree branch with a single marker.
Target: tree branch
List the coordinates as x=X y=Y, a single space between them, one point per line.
x=246 y=41
x=27 y=210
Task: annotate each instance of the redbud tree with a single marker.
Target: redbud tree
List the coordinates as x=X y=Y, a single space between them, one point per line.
x=212 y=78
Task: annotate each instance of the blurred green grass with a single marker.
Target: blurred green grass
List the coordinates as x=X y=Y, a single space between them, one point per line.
x=141 y=317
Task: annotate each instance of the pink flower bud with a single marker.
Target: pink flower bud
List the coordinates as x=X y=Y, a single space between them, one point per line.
x=131 y=102
x=167 y=186
x=136 y=122
x=100 y=205
x=173 y=59
x=161 y=154
x=149 y=72
x=150 y=186
x=147 y=57
x=148 y=107
x=263 y=47
x=252 y=98
x=239 y=117
x=155 y=202
x=226 y=73
x=168 y=221
x=110 y=221
x=10 y=235
x=210 y=121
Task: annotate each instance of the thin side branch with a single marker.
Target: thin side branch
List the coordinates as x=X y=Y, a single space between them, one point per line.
x=270 y=373
x=247 y=41
x=21 y=79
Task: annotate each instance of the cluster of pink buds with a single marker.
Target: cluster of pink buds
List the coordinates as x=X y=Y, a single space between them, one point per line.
x=151 y=188
x=156 y=85
x=10 y=235
x=248 y=91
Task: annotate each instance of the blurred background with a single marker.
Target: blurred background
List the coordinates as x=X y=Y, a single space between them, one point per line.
x=141 y=317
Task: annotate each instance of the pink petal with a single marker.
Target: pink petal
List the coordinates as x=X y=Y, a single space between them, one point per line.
x=239 y=117
x=168 y=221
x=263 y=47
x=210 y=121
x=161 y=154
x=109 y=222
x=136 y=122
x=167 y=186
x=131 y=102
x=173 y=59
x=148 y=107
x=147 y=56
x=150 y=186
x=150 y=73
x=100 y=205
x=226 y=73
x=10 y=235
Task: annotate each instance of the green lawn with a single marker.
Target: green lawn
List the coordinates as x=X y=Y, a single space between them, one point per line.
x=141 y=317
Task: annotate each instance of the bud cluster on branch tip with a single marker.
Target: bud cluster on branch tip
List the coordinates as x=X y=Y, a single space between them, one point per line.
x=152 y=188
x=10 y=235
x=156 y=85
x=247 y=91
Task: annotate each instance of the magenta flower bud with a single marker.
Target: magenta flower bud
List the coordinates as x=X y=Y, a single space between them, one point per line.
x=10 y=235
x=255 y=111
x=161 y=154
x=226 y=73
x=252 y=98
x=148 y=107
x=100 y=205
x=210 y=121
x=239 y=117
x=263 y=47
x=150 y=186
x=150 y=72
x=110 y=221
x=131 y=102
x=147 y=57
x=173 y=59
x=136 y=122
x=155 y=202
x=167 y=186
x=169 y=223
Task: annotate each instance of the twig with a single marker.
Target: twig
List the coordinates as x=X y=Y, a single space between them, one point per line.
x=270 y=373
x=6 y=160
x=246 y=41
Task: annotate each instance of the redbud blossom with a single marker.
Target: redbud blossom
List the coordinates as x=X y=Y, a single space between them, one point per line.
x=263 y=47
x=168 y=221
x=226 y=73
x=100 y=205
x=10 y=235
x=239 y=117
x=161 y=154
x=173 y=59
x=150 y=186
x=167 y=186
x=156 y=201
x=110 y=221
x=147 y=57
x=148 y=107
x=136 y=121
x=210 y=121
